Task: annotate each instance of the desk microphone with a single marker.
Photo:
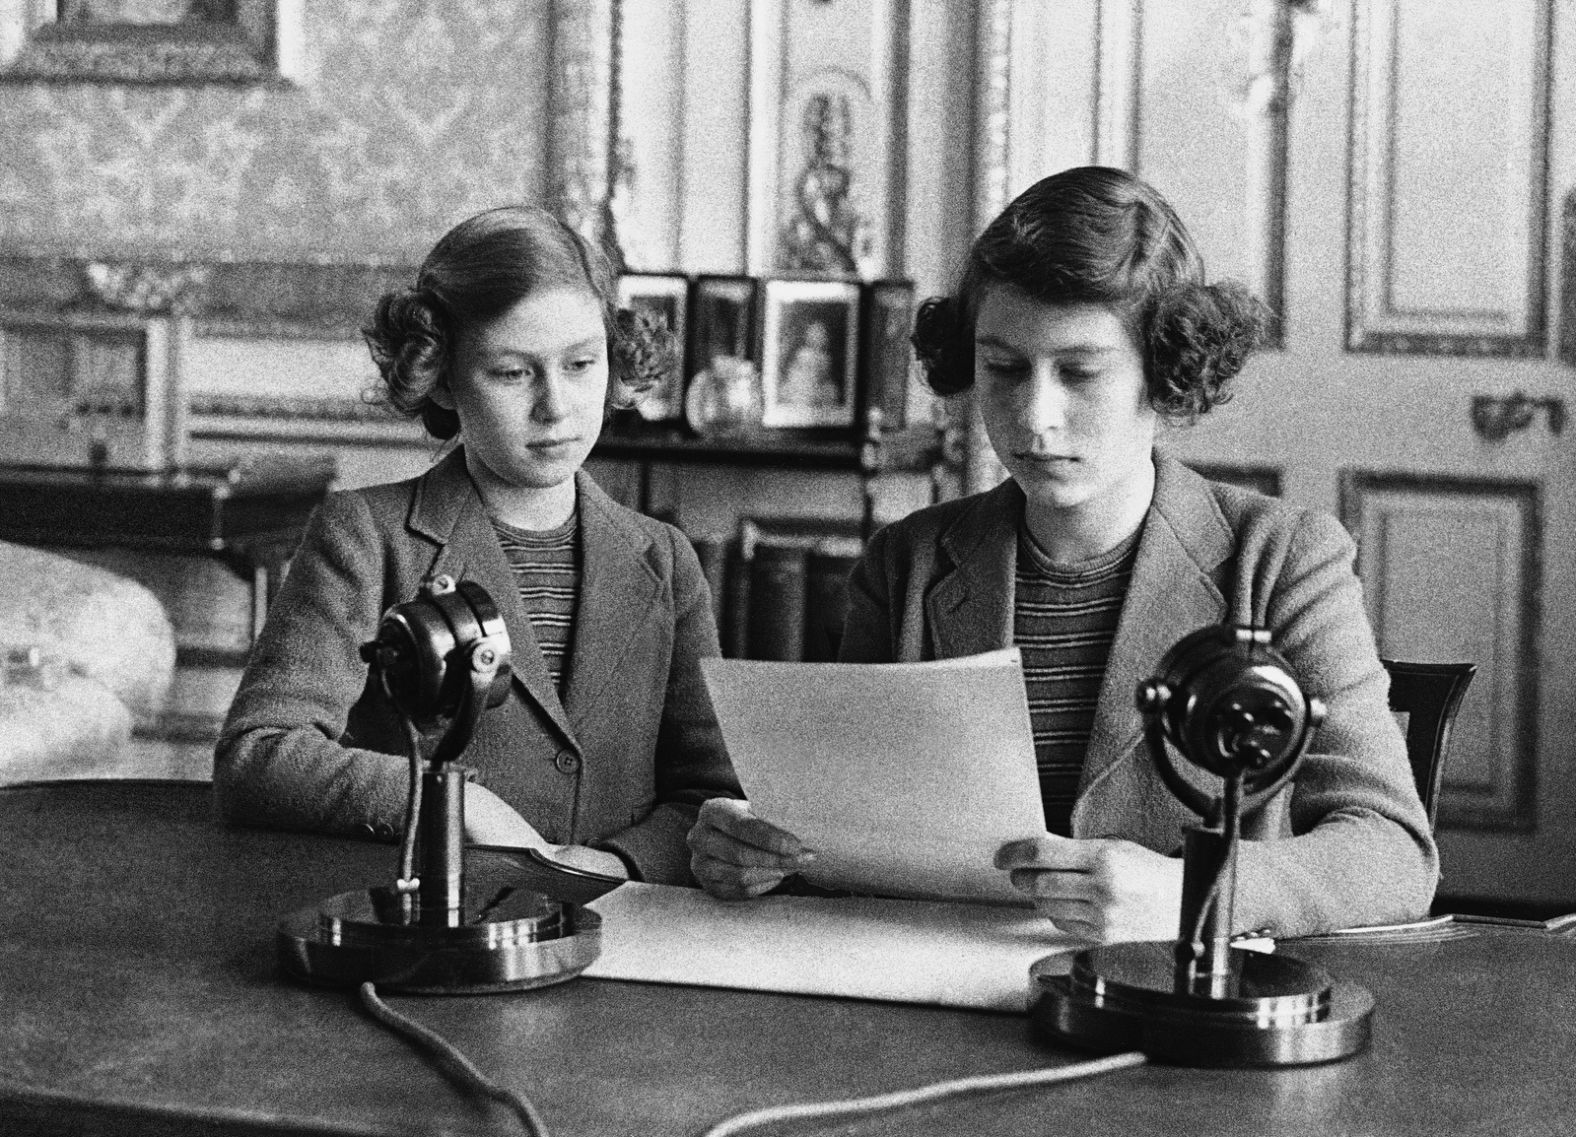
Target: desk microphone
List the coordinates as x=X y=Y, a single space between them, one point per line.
x=1229 y=703
x=495 y=921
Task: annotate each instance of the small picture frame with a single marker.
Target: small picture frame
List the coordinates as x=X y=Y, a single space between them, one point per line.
x=722 y=319
x=664 y=296
x=888 y=354
x=810 y=352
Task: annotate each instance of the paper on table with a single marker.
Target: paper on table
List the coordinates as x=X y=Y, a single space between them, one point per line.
x=909 y=951
x=905 y=778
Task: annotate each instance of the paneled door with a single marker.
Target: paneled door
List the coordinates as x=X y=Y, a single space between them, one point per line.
x=1396 y=178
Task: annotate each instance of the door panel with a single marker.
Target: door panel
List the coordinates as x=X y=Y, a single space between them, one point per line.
x=1449 y=177
x=1466 y=552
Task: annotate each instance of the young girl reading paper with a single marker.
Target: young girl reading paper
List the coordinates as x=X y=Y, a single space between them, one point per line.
x=1082 y=321
x=512 y=340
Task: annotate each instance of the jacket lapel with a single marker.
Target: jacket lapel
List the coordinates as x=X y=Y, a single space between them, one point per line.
x=448 y=510
x=969 y=609
x=625 y=586
x=1173 y=592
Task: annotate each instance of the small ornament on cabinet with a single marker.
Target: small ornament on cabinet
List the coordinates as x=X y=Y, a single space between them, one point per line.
x=825 y=232
x=724 y=398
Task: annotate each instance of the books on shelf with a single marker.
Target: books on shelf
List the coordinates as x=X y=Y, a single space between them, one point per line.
x=775 y=618
x=779 y=586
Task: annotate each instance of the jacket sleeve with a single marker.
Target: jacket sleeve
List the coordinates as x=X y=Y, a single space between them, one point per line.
x=279 y=761
x=1360 y=849
x=691 y=761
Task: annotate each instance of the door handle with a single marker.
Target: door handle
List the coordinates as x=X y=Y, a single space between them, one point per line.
x=1497 y=417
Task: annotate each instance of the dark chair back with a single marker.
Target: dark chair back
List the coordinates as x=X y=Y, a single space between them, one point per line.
x=1429 y=694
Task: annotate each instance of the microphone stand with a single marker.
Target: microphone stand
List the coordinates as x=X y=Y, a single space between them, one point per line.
x=1227 y=701
x=496 y=921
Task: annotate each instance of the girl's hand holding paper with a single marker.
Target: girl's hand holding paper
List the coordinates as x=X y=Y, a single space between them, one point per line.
x=736 y=855
x=1102 y=889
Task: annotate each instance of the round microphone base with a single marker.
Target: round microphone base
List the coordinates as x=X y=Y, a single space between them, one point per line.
x=509 y=939
x=1273 y=1010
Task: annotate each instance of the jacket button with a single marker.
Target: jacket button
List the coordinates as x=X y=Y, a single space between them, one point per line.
x=567 y=762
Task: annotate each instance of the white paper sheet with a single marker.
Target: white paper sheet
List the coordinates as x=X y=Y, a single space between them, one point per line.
x=950 y=955
x=905 y=778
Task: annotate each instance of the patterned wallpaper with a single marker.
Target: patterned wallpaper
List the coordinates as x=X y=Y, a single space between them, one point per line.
x=414 y=115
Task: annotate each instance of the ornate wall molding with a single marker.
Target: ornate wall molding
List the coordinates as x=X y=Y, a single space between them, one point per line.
x=1431 y=547
x=245 y=299
x=582 y=108
x=993 y=111
x=1118 y=75
x=1268 y=92
x=1394 y=227
x=992 y=171
x=1567 y=346
x=293 y=408
x=260 y=42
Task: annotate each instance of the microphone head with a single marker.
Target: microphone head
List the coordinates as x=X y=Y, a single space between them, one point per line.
x=1230 y=703
x=422 y=645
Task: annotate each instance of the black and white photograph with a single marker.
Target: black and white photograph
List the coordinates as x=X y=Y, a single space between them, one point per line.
x=1059 y=619
x=809 y=352
x=664 y=297
x=722 y=319
x=888 y=371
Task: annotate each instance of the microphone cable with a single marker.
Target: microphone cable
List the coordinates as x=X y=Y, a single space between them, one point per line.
x=449 y=1055
x=900 y=1099
x=466 y=1072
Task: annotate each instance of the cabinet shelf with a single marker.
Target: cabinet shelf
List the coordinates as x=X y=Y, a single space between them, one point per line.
x=914 y=450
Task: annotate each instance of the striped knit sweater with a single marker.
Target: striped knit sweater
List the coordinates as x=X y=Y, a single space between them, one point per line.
x=546 y=565
x=1064 y=622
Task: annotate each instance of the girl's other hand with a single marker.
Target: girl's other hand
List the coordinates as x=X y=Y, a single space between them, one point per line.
x=735 y=855
x=1101 y=889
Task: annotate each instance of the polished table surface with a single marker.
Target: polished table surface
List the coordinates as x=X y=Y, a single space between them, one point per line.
x=139 y=994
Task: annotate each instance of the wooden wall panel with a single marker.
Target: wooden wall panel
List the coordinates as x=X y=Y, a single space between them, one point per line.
x=1451 y=569
x=1449 y=168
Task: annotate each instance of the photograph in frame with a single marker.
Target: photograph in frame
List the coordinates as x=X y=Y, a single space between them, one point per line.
x=722 y=319
x=152 y=41
x=665 y=297
x=810 y=353
x=888 y=352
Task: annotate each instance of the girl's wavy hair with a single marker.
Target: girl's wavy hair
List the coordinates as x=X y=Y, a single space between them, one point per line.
x=476 y=272
x=1096 y=235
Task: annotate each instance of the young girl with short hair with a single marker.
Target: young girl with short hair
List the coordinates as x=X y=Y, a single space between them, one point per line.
x=511 y=343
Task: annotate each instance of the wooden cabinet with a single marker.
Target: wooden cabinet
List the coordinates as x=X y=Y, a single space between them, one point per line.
x=211 y=544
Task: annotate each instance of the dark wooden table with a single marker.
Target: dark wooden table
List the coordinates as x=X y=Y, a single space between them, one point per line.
x=250 y=516
x=138 y=994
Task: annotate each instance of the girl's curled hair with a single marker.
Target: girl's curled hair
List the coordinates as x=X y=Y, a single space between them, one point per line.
x=1200 y=336
x=407 y=345
x=1096 y=235
x=478 y=271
